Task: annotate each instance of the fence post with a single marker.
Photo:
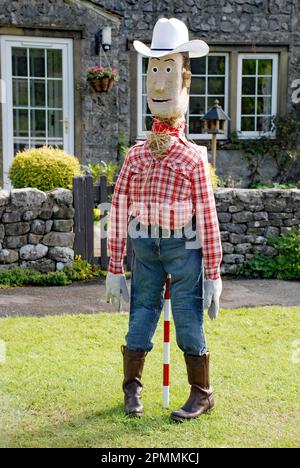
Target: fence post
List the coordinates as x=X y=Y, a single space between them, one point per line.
x=79 y=218
x=84 y=217
x=89 y=216
x=103 y=226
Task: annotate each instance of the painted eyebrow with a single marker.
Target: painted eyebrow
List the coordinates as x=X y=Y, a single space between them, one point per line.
x=169 y=60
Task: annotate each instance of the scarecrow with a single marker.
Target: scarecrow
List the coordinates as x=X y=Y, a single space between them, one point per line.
x=164 y=199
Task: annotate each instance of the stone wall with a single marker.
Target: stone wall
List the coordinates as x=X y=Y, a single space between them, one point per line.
x=249 y=217
x=36 y=229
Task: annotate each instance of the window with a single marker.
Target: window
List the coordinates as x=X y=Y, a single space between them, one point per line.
x=257 y=94
x=144 y=113
x=209 y=82
x=252 y=101
x=39 y=95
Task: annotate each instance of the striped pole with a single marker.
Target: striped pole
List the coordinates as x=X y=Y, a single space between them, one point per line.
x=167 y=328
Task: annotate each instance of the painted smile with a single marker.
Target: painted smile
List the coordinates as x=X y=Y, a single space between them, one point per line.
x=161 y=100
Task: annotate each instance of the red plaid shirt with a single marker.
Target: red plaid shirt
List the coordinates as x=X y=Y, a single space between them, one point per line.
x=166 y=191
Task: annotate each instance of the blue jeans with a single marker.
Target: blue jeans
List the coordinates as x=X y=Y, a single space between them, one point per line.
x=153 y=260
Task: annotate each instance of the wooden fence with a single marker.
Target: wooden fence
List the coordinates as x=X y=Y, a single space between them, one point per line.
x=88 y=196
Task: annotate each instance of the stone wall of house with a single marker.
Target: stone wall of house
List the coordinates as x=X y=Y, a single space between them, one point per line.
x=249 y=217
x=36 y=229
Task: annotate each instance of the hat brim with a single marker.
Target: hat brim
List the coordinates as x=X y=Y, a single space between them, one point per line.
x=195 y=48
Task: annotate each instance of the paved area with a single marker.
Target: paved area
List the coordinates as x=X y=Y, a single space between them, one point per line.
x=90 y=297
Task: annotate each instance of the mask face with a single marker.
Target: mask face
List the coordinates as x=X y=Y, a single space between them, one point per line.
x=168 y=95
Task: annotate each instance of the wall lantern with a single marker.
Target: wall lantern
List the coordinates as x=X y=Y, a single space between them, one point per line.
x=103 y=39
x=214 y=123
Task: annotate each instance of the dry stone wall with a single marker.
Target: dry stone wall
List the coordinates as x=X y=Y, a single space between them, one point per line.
x=36 y=229
x=248 y=218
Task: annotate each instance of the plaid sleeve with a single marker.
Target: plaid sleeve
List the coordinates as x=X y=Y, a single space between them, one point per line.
x=119 y=220
x=207 y=219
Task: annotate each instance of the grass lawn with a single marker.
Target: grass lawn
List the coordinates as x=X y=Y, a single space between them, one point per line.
x=61 y=384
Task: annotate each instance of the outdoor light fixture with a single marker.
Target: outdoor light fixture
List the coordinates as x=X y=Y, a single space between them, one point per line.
x=103 y=38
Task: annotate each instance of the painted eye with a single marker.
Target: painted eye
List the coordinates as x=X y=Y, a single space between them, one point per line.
x=168 y=69
x=155 y=69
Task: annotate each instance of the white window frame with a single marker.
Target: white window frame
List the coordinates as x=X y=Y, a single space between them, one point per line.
x=257 y=134
x=141 y=134
x=7 y=42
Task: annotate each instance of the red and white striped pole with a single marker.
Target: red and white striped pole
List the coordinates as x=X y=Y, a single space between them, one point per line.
x=167 y=329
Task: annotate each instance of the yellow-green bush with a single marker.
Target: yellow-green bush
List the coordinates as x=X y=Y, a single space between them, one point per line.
x=214 y=178
x=44 y=168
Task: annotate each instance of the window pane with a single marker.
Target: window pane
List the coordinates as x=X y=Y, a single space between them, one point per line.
x=37 y=143
x=264 y=105
x=211 y=101
x=216 y=65
x=20 y=92
x=198 y=66
x=248 y=86
x=146 y=109
x=147 y=123
x=38 y=123
x=20 y=147
x=216 y=85
x=264 y=86
x=37 y=62
x=19 y=61
x=198 y=86
x=264 y=124
x=249 y=67
x=145 y=64
x=144 y=85
x=37 y=93
x=265 y=67
x=55 y=93
x=248 y=105
x=197 y=105
x=55 y=124
x=54 y=63
x=20 y=122
x=195 y=125
x=248 y=124
x=55 y=143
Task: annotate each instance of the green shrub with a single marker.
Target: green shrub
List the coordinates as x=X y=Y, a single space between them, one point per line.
x=82 y=270
x=102 y=169
x=44 y=168
x=79 y=270
x=97 y=215
x=214 y=178
x=284 y=266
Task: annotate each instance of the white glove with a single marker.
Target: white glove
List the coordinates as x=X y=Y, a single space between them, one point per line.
x=115 y=286
x=212 y=293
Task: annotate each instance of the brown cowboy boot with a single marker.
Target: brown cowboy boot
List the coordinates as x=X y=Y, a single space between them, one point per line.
x=132 y=385
x=201 y=399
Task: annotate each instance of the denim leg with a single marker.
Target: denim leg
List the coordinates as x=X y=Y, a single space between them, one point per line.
x=186 y=267
x=147 y=294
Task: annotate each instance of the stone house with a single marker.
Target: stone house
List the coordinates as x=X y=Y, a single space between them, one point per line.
x=47 y=46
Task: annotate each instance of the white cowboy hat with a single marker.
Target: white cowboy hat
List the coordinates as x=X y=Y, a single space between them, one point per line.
x=169 y=37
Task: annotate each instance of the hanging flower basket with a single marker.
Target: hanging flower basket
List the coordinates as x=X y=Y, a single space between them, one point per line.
x=102 y=79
